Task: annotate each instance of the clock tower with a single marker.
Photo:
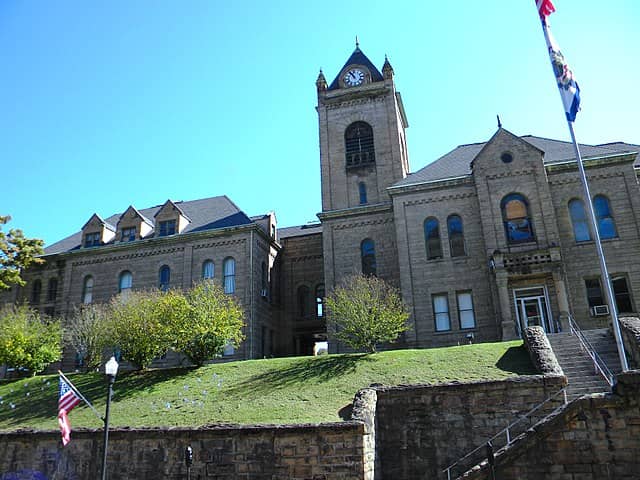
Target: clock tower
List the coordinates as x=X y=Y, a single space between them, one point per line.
x=362 y=152
x=362 y=134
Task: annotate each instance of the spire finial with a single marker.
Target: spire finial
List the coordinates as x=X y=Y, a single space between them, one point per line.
x=357 y=42
x=499 y=122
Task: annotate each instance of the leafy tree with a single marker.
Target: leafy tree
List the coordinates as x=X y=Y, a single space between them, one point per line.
x=27 y=340
x=16 y=254
x=365 y=311
x=213 y=320
x=142 y=324
x=86 y=332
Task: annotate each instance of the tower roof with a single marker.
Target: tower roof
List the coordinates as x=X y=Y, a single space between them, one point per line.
x=358 y=58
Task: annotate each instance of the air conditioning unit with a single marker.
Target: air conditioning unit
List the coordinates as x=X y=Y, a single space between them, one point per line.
x=600 y=310
x=264 y=292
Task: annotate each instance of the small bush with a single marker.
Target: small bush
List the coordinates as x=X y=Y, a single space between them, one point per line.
x=27 y=340
x=364 y=312
x=86 y=332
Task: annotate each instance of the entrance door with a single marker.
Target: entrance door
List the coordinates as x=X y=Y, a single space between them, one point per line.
x=532 y=309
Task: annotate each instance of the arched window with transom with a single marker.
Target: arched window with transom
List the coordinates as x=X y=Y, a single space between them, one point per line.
x=517 y=219
x=36 y=289
x=229 y=280
x=456 y=236
x=125 y=283
x=87 y=290
x=164 y=278
x=604 y=218
x=358 y=140
x=432 y=238
x=579 y=221
x=368 y=257
x=208 y=270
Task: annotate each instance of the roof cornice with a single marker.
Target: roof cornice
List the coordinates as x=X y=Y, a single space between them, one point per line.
x=169 y=240
x=431 y=184
x=355 y=211
x=605 y=160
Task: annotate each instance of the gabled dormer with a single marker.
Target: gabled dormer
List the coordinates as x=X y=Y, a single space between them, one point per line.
x=97 y=232
x=268 y=223
x=132 y=225
x=170 y=219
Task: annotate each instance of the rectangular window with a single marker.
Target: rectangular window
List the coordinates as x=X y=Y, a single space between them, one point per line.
x=441 y=312
x=621 y=292
x=594 y=292
x=168 y=227
x=92 y=239
x=465 y=310
x=128 y=234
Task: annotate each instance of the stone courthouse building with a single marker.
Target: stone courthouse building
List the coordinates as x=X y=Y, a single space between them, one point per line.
x=482 y=242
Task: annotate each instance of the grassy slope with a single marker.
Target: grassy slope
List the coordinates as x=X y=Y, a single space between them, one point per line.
x=283 y=390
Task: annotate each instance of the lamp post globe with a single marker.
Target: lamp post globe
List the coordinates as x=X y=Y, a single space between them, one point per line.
x=111 y=370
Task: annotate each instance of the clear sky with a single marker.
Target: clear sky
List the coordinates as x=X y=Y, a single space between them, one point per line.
x=107 y=104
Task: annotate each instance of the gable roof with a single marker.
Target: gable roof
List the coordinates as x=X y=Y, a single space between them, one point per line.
x=205 y=214
x=457 y=163
x=358 y=58
x=138 y=213
x=173 y=204
x=95 y=215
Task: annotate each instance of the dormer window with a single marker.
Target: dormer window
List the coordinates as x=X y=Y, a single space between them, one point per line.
x=128 y=234
x=167 y=227
x=92 y=239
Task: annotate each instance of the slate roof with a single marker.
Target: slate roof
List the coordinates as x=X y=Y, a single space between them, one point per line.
x=358 y=58
x=299 y=230
x=205 y=214
x=457 y=163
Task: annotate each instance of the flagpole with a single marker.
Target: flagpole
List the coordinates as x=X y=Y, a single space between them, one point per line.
x=571 y=106
x=606 y=280
x=77 y=392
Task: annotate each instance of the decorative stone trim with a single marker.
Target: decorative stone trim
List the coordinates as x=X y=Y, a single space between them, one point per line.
x=442 y=198
x=115 y=258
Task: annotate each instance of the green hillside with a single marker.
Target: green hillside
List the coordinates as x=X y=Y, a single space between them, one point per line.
x=282 y=390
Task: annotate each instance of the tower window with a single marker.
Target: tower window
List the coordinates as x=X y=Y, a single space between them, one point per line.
x=368 y=256
x=362 y=191
x=358 y=139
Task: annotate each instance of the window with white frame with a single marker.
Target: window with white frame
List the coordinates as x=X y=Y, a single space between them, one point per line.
x=465 y=310
x=441 y=312
x=87 y=290
x=229 y=268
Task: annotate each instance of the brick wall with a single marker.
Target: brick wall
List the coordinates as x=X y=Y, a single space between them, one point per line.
x=322 y=452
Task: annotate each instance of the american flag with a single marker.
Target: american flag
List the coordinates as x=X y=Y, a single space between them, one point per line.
x=545 y=8
x=67 y=400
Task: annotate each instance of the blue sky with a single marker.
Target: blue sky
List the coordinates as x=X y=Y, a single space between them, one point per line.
x=107 y=104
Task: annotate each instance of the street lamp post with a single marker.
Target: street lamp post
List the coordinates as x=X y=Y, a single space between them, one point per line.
x=110 y=369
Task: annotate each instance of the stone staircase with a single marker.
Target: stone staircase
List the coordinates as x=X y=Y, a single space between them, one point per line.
x=577 y=365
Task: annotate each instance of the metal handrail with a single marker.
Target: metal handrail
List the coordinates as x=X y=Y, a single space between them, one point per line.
x=505 y=430
x=599 y=364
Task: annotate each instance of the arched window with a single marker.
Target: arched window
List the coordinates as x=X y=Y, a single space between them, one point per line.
x=604 y=219
x=358 y=141
x=87 y=290
x=229 y=268
x=263 y=279
x=581 y=230
x=165 y=278
x=362 y=191
x=320 y=300
x=432 y=238
x=207 y=270
x=456 y=236
x=303 y=301
x=368 y=256
x=125 y=283
x=35 y=291
x=517 y=219
x=52 y=290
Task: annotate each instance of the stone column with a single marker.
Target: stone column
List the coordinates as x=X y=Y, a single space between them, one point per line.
x=508 y=324
x=563 y=300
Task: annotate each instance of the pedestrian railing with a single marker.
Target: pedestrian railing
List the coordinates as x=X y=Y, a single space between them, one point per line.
x=599 y=366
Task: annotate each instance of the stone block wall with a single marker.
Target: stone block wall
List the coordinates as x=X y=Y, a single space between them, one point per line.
x=421 y=430
x=320 y=452
x=630 y=329
x=595 y=437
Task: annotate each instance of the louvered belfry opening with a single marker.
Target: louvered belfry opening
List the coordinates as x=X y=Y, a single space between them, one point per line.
x=359 y=145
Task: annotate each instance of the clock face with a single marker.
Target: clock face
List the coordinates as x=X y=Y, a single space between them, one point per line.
x=353 y=77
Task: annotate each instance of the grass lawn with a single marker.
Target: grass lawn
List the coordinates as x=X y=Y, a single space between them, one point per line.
x=282 y=390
